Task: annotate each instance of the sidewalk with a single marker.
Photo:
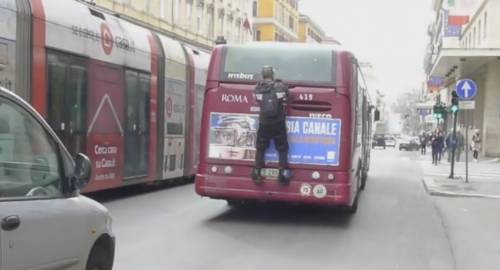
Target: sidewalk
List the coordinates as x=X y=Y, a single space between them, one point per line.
x=458 y=188
x=484 y=178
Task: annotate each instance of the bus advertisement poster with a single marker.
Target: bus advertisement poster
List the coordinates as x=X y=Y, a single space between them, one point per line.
x=312 y=141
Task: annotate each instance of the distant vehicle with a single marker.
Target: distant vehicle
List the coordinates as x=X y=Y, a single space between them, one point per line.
x=329 y=123
x=45 y=222
x=378 y=141
x=390 y=141
x=409 y=144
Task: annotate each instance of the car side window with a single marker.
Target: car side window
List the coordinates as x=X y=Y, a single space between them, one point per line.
x=29 y=159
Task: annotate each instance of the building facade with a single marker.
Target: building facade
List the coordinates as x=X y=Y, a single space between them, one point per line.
x=198 y=22
x=309 y=31
x=470 y=50
x=275 y=20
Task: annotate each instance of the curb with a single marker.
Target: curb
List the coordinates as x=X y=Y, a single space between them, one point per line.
x=432 y=189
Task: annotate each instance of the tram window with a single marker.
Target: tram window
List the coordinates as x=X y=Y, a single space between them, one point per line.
x=56 y=76
x=137 y=119
x=77 y=97
x=67 y=81
x=143 y=99
x=174 y=128
x=172 y=163
x=177 y=91
x=137 y=100
x=130 y=110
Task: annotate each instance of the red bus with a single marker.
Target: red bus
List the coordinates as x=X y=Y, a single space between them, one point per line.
x=124 y=95
x=328 y=122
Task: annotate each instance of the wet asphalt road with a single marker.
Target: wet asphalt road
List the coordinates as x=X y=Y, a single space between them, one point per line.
x=397 y=226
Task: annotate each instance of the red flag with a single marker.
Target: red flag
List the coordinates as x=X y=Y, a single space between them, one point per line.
x=457 y=20
x=246 y=25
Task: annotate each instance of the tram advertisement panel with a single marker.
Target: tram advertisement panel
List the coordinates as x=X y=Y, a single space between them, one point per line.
x=105 y=134
x=313 y=141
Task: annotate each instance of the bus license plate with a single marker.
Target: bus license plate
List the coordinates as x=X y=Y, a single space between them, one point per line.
x=270 y=173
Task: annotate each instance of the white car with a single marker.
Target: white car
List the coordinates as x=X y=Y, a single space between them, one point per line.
x=45 y=222
x=390 y=141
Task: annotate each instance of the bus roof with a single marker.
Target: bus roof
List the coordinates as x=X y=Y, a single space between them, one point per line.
x=288 y=46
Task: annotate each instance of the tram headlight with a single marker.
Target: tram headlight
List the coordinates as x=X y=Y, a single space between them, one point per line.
x=228 y=169
x=315 y=175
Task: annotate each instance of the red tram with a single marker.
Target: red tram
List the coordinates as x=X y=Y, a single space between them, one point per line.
x=127 y=97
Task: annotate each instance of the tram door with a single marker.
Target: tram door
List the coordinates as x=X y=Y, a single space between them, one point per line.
x=67 y=90
x=136 y=124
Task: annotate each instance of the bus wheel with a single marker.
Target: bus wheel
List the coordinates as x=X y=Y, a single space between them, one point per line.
x=354 y=207
x=364 y=177
x=235 y=203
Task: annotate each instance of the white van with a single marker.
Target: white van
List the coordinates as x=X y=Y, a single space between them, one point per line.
x=45 y=222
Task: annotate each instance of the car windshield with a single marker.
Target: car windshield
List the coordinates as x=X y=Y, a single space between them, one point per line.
x=29 y=165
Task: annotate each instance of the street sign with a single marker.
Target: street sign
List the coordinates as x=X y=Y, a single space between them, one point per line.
x=466 y=89
x=467 y=104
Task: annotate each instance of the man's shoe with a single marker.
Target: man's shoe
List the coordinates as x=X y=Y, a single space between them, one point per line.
x=284 y=176
x=256 y=176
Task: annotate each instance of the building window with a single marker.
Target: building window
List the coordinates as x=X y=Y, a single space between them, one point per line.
x=479 y=33
x=254 y=8
x=485 y=24
x=238 y=26
x=257 y=35
x=162 y=9
x=474 y=37
x=177 y=7
x=210 y=23
x=290 y=23
x=282 y=14
x=199 y=19
x=221 y=25
x=189 y=14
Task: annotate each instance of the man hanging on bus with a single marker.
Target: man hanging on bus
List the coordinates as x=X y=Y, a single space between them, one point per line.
x=272 y=96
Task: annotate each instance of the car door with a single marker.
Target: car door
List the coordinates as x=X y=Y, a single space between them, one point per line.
x=40 y=227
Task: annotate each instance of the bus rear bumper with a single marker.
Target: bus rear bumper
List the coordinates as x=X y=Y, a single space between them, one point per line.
x=243 y=188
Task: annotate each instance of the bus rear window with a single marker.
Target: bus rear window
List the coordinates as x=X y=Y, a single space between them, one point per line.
x=310 y=65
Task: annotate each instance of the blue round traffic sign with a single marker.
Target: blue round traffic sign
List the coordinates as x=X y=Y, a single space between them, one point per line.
x=466 y=89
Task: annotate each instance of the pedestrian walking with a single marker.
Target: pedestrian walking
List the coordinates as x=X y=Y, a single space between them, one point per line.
x=435 y=149
x=440 y=145
x=451 y=144
x=423 y=143
x=476 y=145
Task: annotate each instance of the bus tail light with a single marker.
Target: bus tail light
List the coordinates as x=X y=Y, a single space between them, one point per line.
x=228 y=170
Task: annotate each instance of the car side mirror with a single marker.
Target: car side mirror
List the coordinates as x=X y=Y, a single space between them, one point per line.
x=82 y=172
x=376 y=116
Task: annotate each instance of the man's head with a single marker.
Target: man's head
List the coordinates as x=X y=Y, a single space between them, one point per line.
x=267 y=73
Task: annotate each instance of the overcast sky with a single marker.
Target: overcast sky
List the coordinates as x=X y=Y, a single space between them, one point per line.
x=391 y=34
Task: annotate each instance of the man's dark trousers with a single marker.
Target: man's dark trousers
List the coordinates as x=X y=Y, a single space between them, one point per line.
x=272 y=131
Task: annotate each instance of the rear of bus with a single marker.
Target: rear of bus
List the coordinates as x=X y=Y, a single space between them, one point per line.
x=318 y=122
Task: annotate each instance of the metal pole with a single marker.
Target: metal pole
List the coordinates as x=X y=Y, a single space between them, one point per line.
x=466 y=144
x=454 y=137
